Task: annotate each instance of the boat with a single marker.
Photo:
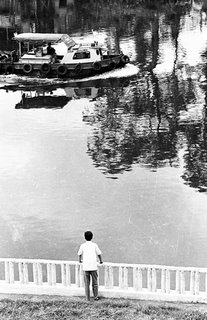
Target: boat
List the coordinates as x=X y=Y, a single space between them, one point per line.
x=39 y=54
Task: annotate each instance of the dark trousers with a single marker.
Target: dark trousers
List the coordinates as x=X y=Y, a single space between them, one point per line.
x=88 y=275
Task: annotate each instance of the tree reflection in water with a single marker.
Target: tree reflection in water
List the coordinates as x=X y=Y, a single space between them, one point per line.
x=131 y=131
x=195 y=174
x=147 y=130
x=143 y=130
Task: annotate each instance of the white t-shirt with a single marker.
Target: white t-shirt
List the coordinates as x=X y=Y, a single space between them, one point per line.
x=89 y=251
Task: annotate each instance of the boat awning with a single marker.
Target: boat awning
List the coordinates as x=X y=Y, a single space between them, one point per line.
x=45 y=37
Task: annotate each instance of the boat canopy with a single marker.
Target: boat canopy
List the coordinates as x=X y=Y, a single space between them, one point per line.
x=45 y=37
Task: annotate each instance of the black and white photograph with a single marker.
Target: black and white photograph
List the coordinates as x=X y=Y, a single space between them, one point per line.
x=103 y=159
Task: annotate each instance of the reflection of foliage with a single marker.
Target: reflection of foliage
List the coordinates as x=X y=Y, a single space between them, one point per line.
x=129 y=16
x=125 y=134
x=116 y=153
x=195 y=174
x=87 y=15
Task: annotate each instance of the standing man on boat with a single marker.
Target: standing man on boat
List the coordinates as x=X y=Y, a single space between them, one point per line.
x=50 y=50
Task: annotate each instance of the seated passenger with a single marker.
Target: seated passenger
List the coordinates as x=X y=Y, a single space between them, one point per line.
x=50 y=50
x=3 y=57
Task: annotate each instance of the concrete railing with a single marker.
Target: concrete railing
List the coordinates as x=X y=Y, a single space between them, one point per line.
x=153 y=282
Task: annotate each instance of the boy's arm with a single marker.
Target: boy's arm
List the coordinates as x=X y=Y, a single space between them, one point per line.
x=100 y=258
x=80 y=254
x=98 y=252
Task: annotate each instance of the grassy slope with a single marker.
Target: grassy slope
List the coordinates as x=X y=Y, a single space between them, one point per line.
x=47 y=308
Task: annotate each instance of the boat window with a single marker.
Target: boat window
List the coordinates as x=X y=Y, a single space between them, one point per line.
x=38 y=52
x=82 y=55
x=83 y=91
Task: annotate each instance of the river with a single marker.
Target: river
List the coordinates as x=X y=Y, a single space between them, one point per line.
x=122 y=154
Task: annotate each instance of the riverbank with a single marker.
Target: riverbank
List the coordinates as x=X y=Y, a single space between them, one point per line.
x=16 y=307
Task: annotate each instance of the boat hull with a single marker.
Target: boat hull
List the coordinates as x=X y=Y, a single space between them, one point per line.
x=60 y=70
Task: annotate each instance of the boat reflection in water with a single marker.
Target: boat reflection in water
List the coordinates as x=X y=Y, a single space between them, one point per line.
x=35 y=99
x=54 y=99
x=57 y=96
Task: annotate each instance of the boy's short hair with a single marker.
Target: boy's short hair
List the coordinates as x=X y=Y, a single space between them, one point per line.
x=88 y=235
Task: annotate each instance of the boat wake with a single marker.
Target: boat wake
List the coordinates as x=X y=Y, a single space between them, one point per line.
x=127 y=71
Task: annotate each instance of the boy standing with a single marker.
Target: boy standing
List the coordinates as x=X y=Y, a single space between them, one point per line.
x=88 y=253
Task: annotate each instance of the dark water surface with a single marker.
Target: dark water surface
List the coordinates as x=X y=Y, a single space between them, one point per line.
x=123 y=154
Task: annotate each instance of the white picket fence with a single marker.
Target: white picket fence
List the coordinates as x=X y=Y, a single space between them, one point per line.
x=29 y=276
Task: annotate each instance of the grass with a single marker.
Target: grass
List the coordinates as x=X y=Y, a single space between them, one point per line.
x=55 y=308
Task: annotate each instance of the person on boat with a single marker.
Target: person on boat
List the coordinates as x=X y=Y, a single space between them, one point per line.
x=88 y=253
x=3 y=57
x=14 y=56
x=50 y=49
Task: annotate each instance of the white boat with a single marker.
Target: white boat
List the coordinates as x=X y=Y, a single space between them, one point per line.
x=58 y=55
